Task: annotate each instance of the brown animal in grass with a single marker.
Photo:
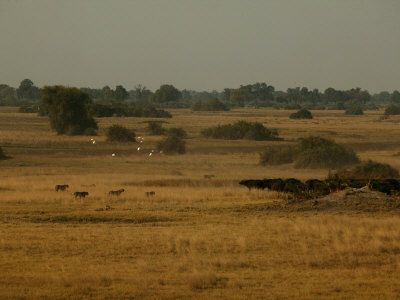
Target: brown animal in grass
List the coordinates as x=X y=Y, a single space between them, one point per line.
x=116 y=193
x=149 y=194
x=81 y=194
x=61 y=187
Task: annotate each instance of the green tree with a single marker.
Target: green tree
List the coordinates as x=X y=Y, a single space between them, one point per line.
x=27 y=90
x=141 y=93
x=120 y=93
x=68 y=109
x=107 y=94
x=239 y=97
x=167 y=93
x=395 y=97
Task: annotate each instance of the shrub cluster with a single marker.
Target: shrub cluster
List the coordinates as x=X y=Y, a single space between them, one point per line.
x=370 y=170
x=242 y=130
x=172 y=145
x=392 y=110
x=355 y=110
x=209 y=105
x=117 y=133
x=317 y=152
x=178 y=132
x=124 y=110
x=277 y=156
x=155 y=128
x=301 y=114
x=311 y=152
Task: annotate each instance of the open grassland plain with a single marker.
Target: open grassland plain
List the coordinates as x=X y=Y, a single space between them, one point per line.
x=195 y=237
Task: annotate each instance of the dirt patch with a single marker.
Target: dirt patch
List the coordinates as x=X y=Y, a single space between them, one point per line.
x=363 y=199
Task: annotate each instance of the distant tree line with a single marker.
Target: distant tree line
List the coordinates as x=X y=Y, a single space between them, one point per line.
x=251 y=95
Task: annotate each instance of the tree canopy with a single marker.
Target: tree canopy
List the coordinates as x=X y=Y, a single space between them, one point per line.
x=166 y=93
x=68 y=109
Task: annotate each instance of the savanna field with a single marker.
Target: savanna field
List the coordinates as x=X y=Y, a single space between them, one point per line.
x=197 y=237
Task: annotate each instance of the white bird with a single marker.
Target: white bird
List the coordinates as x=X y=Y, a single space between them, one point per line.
x=94 y=142
x=91 y=139
x=113 y=154
x=152 y=151
x=150 y=154
x=141 y=141
x=139 y=137
x=138 y=148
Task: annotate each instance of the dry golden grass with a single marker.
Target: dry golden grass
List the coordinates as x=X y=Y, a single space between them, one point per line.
x=196 y=238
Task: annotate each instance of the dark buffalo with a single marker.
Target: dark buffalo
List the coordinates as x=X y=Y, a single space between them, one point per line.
x=293 y=185
x=312 y=184
x=276 y=184
x=149 y=194
x=253 y=184
x=388 y=186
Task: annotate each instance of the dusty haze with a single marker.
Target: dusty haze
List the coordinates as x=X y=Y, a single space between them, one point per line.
x=201 y=45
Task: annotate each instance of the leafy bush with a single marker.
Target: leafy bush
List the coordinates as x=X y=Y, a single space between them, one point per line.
x=311 y=152
x=277 y=156
x=301 y=114
x=155 y=128
x=392 y=110
x=209 y=105
x=241 y=130
x=317 y=152
x=370 y=170
x=117 y=133
x=355 y=110
x=178 y=132
x=172 y=145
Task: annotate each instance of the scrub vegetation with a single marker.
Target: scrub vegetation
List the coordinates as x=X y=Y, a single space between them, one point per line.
x=184 y=227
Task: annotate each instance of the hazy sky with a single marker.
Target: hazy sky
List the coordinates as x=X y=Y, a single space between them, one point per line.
x=201 y=44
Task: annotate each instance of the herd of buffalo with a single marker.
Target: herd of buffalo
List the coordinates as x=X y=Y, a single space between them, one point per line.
x=314 y=188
